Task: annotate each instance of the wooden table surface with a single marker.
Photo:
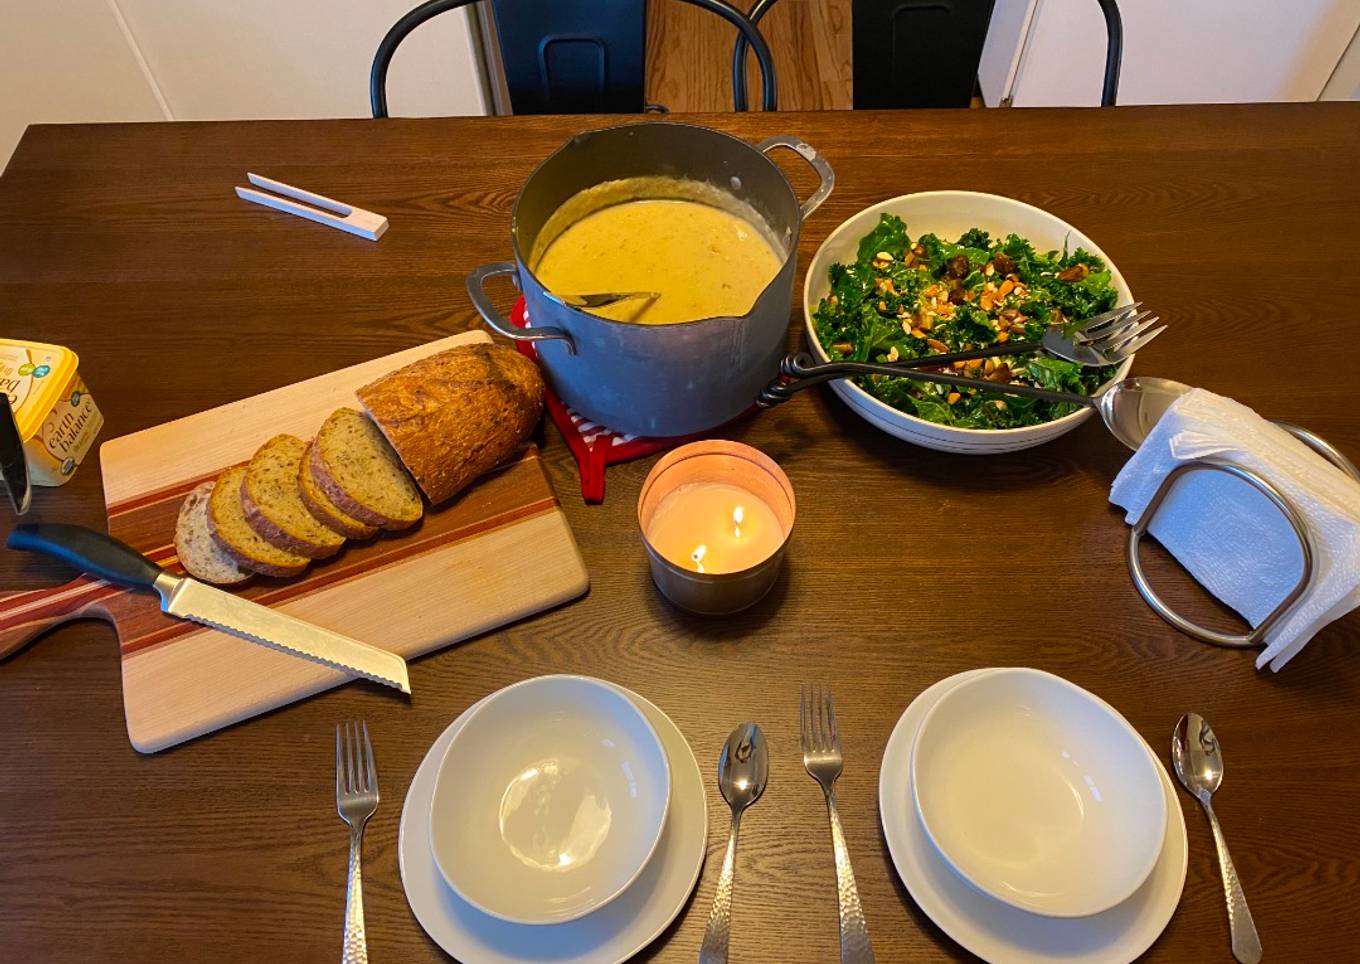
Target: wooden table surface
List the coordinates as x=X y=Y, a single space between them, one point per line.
x=1240 y=225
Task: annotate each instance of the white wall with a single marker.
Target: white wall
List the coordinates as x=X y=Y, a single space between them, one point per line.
x=1175 y=51
x=132 y=60
x=67 y=61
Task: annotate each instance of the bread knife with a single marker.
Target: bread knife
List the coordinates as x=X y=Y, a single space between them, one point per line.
x=187 y=598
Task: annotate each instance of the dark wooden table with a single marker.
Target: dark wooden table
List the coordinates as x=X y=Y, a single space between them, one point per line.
x=1240 y=225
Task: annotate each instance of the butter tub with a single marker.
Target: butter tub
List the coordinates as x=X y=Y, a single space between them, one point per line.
x=56 y=416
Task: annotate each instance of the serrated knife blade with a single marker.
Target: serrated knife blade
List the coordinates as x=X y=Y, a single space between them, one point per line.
x=187 y=598
x=190 y=599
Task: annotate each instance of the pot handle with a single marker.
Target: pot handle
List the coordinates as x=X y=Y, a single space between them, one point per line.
x=476 y=287
x=819 y=164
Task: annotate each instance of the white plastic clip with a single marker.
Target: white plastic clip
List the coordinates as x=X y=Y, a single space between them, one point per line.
x=325 y=211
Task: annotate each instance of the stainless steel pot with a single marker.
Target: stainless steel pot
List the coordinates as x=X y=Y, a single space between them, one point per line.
x=658 y=380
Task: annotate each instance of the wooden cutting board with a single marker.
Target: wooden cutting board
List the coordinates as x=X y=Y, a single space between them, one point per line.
x=462 y=571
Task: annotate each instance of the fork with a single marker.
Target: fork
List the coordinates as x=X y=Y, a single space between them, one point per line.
x=823 y=760
x=356 y=797
x=1106 y=339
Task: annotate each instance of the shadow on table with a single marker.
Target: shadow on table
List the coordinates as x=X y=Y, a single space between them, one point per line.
x=664 y=938
x=1086 y=451
x=719 y=628
x=918 y=917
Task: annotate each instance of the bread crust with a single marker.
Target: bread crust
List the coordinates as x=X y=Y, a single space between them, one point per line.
x=343 y=500
x=225 y=513
x=281 y=450
x=456 y=415
x=197 y=550
x=321 y=507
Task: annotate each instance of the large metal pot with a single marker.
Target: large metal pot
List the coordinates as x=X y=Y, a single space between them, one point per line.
x=658 y=380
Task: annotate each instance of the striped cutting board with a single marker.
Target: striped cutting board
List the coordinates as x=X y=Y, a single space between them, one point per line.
x=464 y=570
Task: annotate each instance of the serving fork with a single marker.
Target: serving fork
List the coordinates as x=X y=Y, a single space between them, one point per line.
x=356 y=798
x=824 y=762
x=1105 y=339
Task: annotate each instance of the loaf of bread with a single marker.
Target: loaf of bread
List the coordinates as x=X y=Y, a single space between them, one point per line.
x=198 y=552
x=456 y=415
x=272 y=499
x=231 y=531
x=356 y=468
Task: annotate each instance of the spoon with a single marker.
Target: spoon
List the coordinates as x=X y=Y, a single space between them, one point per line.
x=743 y=769
x=602 y=299
x=1199 y=767
x=1133 y=406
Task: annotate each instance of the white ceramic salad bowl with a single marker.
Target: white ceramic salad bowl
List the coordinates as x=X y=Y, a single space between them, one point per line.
x=949 y=214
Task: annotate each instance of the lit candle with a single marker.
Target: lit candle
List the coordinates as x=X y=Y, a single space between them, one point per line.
x=716 y=517
x=714 y=527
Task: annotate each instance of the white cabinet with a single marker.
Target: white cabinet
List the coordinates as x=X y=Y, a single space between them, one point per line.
x=218 y=59
x=1052 y=52
x=137 y=60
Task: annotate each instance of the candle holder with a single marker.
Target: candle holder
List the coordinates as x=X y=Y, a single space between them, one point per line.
x=732 y=463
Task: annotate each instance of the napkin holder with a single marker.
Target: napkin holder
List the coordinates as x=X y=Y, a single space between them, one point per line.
x=1277 y=498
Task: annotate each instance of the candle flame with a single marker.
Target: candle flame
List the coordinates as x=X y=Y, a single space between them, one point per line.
x=737 y=515
x=697 y=556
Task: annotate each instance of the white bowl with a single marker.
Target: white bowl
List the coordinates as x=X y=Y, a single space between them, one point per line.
x=1038 y=793
x=550 y=800
x=949 y=214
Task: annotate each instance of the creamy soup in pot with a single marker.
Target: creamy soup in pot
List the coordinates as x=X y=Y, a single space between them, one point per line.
x=702 y=260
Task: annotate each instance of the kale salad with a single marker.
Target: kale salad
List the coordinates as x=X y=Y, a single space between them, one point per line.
x=903 y=299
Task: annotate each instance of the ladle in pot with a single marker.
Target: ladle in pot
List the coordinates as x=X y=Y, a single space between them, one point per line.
x=602 y=299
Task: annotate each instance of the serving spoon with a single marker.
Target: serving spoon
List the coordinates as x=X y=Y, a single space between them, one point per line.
x=601 y=299
x=1199 y=766
x=743 y=769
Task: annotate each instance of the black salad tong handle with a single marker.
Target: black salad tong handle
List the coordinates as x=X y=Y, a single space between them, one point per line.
x=800 y=371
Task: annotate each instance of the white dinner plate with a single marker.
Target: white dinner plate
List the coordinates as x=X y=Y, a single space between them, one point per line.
x=611 y=934
x=998 y=932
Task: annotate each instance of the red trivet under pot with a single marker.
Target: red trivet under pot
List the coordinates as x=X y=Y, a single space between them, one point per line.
x=594 y=446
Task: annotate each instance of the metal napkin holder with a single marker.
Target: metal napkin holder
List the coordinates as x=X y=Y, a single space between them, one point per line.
x=1277 y=498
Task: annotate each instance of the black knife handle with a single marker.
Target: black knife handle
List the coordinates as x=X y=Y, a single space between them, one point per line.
x=94 y=552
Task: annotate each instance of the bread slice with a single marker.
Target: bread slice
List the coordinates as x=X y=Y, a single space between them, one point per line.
x=323 y=509
x=360 y=473
x=227 y=520
x=273 y=502
x=454 y=416
x=200 y=555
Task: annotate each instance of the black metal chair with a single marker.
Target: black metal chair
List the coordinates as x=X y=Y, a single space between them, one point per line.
x=925 y=53
x=572 y=56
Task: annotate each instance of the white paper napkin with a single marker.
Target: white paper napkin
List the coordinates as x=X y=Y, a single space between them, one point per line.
x=1229 y=536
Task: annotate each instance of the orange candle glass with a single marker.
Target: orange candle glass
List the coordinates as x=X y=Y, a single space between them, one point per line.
x=715 y=517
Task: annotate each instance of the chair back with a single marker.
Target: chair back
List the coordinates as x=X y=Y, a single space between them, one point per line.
x=917 y=53
x=925 y=53
x=572 y=56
